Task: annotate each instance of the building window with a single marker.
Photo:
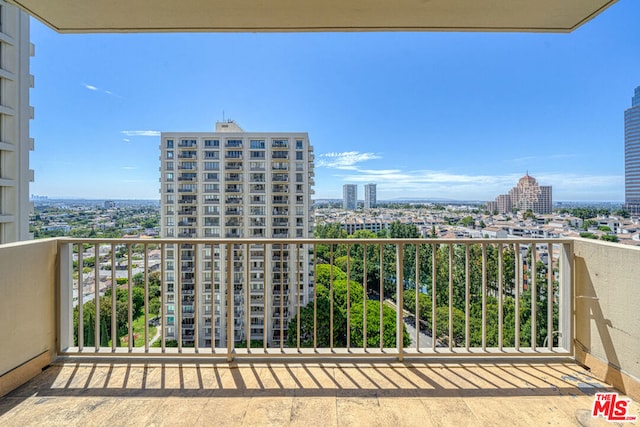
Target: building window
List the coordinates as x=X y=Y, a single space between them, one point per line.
x=169 y=143
x=211 y=143
x=257 y=144
x=233 y=155
x=299 y=155
x=279 y=143
x=299 y=144
x=234 y=143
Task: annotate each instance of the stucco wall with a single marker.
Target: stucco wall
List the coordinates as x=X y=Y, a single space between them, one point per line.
x=607 y=310
x=27 y=302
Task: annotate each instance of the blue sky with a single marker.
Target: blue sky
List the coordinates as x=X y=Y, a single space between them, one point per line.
x=423 y=115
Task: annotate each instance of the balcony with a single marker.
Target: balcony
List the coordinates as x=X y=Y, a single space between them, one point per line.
x=596 y=327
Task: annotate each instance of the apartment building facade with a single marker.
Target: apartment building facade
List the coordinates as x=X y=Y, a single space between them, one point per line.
x=15 y=113
x=526 y=195
x=370 y=196
x=235 y=184
x=349 y=197
x=632 y=155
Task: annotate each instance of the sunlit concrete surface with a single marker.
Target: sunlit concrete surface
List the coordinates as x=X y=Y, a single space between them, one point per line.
x=530 y=393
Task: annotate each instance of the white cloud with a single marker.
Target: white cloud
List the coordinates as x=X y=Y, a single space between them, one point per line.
x=345 y=160
x=393 y=183
x=126 y=140
x=97 y=89
x=141 y=132
x=129 y=168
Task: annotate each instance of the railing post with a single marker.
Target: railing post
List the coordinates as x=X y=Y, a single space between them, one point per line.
x=230 y=307
x=399 y=301
x=565 y=294
x=66 y=297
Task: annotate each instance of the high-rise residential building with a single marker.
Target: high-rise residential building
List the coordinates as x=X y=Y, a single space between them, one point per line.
x=349 y=197
x=235 y=184
x=370 y=196
x=15 y=113
x=527 y=195
x=632 y=155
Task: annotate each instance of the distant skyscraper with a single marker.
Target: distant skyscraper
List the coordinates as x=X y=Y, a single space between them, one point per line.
x=370 y=196
x=632 y=155
x=349 y=196
x=527 y=195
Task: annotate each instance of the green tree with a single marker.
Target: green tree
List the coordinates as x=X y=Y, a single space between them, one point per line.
x=373 y=326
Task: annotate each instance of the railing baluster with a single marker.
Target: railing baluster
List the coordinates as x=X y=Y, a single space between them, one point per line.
x=177 y=289
x=315 y=299
x=417 y=291
x=484 y=297
x=114 y=290
x=80 y=297
x=434 y=279
x=331 y=298
x=467 y=291
x=130 y=289
x=518 y=283
x=381 y=333
x=196 y=300
x=399 y=300
x=212 y=289
x=96 y=295
x=282 y=297
x=229 y=289
x=146 y=298
x=500 y=296
x=267 y=309
x=365 y=297
x=163 y=299
x=533 y=286
x=450 y=296
x=550 y=296
x=297 y=282
x=348 y=299
x=247 y=304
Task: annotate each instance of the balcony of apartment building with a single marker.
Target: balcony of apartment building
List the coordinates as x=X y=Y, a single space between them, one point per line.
x=424 y=383
x=541 y=377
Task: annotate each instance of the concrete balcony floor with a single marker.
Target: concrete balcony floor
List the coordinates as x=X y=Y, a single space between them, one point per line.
x=509 y=393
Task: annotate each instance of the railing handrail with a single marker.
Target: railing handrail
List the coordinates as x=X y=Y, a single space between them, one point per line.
x=335 y=241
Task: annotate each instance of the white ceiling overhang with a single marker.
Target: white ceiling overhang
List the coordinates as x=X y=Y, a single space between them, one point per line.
x=96 y=16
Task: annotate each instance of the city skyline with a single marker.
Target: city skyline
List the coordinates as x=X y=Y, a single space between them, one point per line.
x=463 y=117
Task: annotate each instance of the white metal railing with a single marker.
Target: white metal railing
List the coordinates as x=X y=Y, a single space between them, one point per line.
x=462 y=297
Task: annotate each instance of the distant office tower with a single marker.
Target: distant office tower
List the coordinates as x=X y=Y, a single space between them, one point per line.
x=527 y=195
x=632 y=155
x=15 y=143
x=370 y=196
x=350 y=197
x=235 y=184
